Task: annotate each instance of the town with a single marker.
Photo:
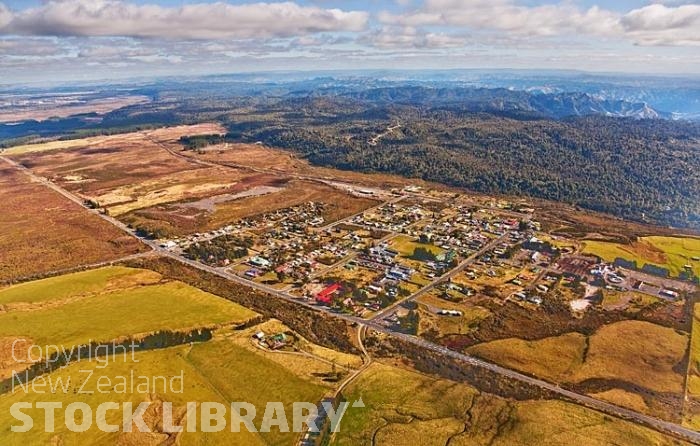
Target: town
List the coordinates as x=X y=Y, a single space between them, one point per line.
x=428 y=250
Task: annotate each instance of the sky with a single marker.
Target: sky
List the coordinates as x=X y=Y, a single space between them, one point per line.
x=69 y=40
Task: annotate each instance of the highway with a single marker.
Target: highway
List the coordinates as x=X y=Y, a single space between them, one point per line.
x=667 y=427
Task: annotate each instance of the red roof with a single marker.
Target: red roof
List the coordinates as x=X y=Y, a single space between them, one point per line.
x=325 y=295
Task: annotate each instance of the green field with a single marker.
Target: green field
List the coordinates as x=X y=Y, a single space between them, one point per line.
x=406 y=245
x=669 y=252
x=78 y=318
x=215 y=371
x=407 y=408
x=77 y=284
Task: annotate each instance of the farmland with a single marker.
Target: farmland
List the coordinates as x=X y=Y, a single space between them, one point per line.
x=86 y=313
x=406 y=408
x=216 y=371
x=478 y=275
x=41 y=231
x=669 y=252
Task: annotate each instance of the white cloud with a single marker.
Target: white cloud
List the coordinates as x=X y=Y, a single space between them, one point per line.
x=408 y=37
x=5 y=15
x=507 y=15
x=662 y=25
x=195 y=21
x=655 y=24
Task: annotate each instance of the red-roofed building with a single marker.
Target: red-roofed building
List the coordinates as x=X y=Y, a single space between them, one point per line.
x=325 y=296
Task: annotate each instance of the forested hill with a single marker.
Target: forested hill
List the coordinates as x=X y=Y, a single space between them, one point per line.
x=559 y=146
x=502 y=100
x=645 y=170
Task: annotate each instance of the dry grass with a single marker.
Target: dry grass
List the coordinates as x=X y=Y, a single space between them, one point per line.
x=95 y=167
x=691 y=416
x=447 y=325
x=407 y=408
x=553 y=359
x=340 y=204
x=638 y=352
x=214 y=371
x=624 y=399
x=42 y=231
x=41 y=113
x=309 y=361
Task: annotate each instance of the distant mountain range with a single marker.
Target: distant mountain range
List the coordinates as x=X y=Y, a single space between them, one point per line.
x=510 y=102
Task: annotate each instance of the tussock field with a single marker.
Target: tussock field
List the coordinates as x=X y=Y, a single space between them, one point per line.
x=636 y=352
x=691 y=414
x=128 y=171
x=553 y=359
x=407 y=408
x=42 y=231
x=631 y=363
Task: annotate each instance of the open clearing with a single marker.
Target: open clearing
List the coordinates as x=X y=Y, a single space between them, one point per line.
x=214 y=371
x=147 y=180
x=668 y=252
x=637 y=352
x=407 y=408
x=640 y=353
x=553 y=358
x=691 y=415
x=75 y=285
x=183 y=218
x=129 y=171
x=42 y=231
x=105 y=316
x=40 y=112
x=406 y=245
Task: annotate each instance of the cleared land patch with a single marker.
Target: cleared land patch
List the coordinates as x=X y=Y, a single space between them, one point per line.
x=668 y=252
x=42 y=231
x=215 y=371
x=637 y=352
x=107 y=316
x=83 y=283
x=407 y=408
x=553 y=358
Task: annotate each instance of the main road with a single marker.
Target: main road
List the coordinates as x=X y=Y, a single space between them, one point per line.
x=584 y=400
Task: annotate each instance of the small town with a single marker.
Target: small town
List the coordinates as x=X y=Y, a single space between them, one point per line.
x=424 y=252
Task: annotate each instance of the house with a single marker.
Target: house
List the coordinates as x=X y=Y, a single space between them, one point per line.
x=260 y=262
x=326 y=295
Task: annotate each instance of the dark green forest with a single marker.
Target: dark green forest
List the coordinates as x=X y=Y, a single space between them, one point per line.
x=639 y=169
x=645 y=170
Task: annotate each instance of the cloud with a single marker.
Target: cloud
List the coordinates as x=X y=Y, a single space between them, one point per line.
x=662 y=25
x=195 y=21
x=390 y=37
x=671 y=23
x=5 y=15
x=507 y=15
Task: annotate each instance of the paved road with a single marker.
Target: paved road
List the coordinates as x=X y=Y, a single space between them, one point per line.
x=584 y=400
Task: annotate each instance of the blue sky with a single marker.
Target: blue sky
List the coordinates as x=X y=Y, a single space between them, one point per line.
x=81 y=39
